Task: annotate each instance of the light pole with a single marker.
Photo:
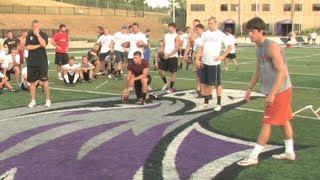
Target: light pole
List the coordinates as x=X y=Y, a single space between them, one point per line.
x=173 y=11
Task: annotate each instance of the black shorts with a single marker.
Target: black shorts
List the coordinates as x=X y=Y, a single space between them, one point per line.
x=11 y=71
x=71 y=78
x=126 y=53
x=210 y=75
x=138 y=87
x=103 y=56
x=37 y=73
x=61 y=58
x=182 y=52
x=231 y=55
x=85 y=75
x=119 y=56
x=170 y=64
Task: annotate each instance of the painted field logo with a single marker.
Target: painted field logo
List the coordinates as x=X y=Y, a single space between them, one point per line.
x=109 y=140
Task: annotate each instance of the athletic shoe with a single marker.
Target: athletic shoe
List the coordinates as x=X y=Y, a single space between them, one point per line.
x=285 y=155
x=217 y=108
x=226 y=68
x=31 y=104
x=13 y=90
x=48 y=103
x=149 y=88
x=203 y=106
x=169 y=91
x=109 y=76
x=147 y=101
x=61 y=78
x=249 y=161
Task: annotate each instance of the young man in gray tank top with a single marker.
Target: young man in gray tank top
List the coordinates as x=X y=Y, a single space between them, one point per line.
x=275 y=82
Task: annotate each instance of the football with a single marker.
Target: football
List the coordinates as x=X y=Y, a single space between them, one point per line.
x=161 y=54
x=125 y=98
x=140 y=43
x=125 y=44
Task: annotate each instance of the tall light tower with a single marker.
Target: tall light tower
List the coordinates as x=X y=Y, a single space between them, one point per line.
x=173 y=11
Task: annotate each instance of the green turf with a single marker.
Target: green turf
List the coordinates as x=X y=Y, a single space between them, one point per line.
x=304 y=68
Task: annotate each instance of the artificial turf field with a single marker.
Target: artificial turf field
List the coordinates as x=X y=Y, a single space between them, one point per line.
x=242 y=122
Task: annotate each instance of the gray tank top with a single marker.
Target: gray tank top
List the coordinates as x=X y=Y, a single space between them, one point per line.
x=268 y=73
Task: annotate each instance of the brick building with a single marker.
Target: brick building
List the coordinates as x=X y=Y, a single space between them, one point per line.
x=281 y=16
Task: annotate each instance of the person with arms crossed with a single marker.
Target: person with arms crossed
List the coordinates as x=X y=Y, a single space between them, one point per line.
x=138 y=77
x=61 y=41
x=208 y=60
x=37 y=65
x=272 y=71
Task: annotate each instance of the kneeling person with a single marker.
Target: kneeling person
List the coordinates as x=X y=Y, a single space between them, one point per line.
x=138 y=76
x=71 y=71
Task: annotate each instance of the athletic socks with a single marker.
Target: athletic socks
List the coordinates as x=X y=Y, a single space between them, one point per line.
x=66 y=78
x=76 y=76
x=256 y=151
x=171 y=84
x=206 y=99
x=59 y=75
x=219 y=100
x=289 y=146
x=164 y=79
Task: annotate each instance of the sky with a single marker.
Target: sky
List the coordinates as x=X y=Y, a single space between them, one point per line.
x=157 y=3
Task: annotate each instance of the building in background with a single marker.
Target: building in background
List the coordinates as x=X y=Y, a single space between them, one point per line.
x=281 y=16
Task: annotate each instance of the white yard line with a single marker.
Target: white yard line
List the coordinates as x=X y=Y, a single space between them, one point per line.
x=82 y=91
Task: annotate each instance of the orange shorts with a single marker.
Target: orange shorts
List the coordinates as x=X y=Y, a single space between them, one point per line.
x=280 y=112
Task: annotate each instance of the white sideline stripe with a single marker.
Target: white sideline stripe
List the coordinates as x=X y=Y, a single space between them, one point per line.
x=218 y=165
x=72 y=52
x=169 y=170
x=90 y=92
x=260 y=111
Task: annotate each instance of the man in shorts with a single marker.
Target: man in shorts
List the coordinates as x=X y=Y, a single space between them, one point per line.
x=138 y=77
x=232 y=54
x=11 y=65
x=71 y=71
x=119 y=39
x=86 y=70
x=5 y=83
x=272 y=71
x=137 y=40
x=93 y=56
x=36 y=43
x=208 y=61
x=61 y=41
x=170 y=60
x=106 y=43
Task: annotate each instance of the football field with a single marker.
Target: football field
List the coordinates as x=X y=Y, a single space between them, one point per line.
x=241 y=122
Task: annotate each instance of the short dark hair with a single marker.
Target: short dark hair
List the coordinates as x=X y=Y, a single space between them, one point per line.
x=137 y=53
x=228 y=30
x=135 y=24
x=130 y=26
x=61 y=26
x=72 y=57
x=172 y=24
x=188 y=27
x=201 y=26
x=256 y=23
x=148 y=30
x=197 y=20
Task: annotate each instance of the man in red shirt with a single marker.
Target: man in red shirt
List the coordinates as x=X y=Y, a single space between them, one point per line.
x=61 y=41
x=138 y=76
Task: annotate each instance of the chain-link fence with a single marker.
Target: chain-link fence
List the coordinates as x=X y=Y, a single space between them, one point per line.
x=120 y=10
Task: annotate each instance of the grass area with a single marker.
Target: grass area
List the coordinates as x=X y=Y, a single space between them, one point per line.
x=304 y=67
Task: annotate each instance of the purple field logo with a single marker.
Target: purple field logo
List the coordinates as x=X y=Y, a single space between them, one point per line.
x=110 y=140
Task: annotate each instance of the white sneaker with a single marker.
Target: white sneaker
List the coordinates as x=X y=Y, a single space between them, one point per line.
x=203 y=106
x=169 y=91
x=149 y=88
x=61 y=78
x=31 y=104
x=249 y=161
x=48 y=103
x=285 y=155
x=217 y=108
x=109 y=76
x=164 y=87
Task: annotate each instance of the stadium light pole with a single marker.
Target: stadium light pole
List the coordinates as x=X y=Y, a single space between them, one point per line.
x=173 y=11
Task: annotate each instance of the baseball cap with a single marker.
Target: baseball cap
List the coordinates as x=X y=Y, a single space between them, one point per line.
x=62 y=25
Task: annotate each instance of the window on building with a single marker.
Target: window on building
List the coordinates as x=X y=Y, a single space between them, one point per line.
x=298 y=7
x=224 y=7
x=234 y=7
x=315 y=7
x=255 y=7
x=198 y=7
x=297 y=27
x=265 y=7
x=267 y=27
x=287 y=7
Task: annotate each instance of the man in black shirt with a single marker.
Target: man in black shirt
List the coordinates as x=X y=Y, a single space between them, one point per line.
x=36 y=42
x=10 y=42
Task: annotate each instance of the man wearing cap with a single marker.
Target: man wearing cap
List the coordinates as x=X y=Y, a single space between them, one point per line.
x=120 y=38
x=61 y=41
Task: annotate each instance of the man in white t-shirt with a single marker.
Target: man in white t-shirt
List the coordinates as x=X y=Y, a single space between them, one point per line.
x=137 y=41
x=232 y=55
x=209 y=60
x=11 y=65
x=119 y=49
x=184 y=43
x=106 y=42
x=170 y=60
x=71 y=71
x=86 y=70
